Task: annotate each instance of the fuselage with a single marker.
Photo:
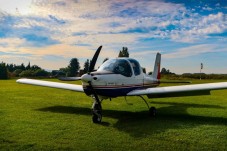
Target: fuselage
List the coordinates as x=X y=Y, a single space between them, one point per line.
x=117 y=77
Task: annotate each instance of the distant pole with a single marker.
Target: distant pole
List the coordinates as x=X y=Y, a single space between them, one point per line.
x=201 y=67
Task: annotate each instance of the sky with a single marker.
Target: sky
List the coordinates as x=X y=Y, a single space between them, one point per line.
x=49 y=33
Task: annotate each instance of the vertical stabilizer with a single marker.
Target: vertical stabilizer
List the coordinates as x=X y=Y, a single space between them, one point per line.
x=156 y=72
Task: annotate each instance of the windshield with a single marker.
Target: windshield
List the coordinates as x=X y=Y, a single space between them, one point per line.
x=118 y=66
x=135 y=66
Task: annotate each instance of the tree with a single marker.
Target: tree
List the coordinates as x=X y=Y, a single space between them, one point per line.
x=163 y=71
x=63 y=70
x=123 y=52
x=86 y=66
x=17 y=72
x=27 y=73
x=28 y=66
x=58 y=73
x=3 y=71
x=166 y=71
x=22 y=67
x=120 y=54
x=41 y=73
x=35 y=67
x=10 y=67
x=74 y=66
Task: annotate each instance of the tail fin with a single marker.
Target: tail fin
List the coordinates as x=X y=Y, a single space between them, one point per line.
x=156 y=72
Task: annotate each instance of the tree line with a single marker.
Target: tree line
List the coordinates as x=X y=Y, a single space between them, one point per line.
x=73 y=69
x=12 y=70
x=166 y=74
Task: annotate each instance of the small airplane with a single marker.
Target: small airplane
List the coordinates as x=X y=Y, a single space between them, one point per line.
x=124 y=77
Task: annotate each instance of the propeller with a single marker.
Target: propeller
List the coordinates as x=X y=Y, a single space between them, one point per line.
x=94 y=59
x=86 y=77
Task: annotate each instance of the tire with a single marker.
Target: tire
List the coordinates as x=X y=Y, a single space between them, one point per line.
x=96 y=118
x=97 y=113
x=152 y=112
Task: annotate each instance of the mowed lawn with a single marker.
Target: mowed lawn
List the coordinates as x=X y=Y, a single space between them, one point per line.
x=40 y=118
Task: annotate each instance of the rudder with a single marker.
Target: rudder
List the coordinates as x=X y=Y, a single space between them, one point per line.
x=156 y=72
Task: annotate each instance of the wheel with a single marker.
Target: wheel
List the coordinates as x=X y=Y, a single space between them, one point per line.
x=97 y=113
x=97 y=118
x=152 y=111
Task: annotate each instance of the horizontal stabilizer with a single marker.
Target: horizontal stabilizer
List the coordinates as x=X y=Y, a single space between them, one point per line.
x=69 y=78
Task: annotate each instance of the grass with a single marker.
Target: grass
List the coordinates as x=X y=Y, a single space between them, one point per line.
x=40 y=118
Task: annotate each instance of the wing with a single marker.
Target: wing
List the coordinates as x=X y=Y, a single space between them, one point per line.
x=66 y=86
x=177 y=91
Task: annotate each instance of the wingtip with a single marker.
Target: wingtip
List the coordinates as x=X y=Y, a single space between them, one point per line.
x=20 y=80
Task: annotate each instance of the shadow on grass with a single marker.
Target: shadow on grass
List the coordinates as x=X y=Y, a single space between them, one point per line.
x=139 y=124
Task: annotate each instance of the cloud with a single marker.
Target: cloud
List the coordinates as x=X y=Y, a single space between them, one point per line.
x=194 y=51
x=144 y=53
x=39 y=41
x=15 y=46
x=156 y=19
x=57 y=20
x=75 y=28
x=10 y=44
x=192 y=30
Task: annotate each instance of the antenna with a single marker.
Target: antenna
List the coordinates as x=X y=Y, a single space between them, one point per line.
x=201 y=67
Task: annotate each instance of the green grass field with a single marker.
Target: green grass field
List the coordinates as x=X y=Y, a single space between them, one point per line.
x=40 y=118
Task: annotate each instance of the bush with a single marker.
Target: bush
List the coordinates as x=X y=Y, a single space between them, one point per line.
x=17 y=72
x=41 y=73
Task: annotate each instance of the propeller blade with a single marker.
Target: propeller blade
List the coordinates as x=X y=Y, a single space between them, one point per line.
x=69 y=78
x=94 y=59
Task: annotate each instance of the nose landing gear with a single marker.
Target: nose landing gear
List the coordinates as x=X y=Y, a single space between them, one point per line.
x=96 y=112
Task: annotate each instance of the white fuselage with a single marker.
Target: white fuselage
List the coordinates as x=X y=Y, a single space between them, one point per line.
x=119 y=76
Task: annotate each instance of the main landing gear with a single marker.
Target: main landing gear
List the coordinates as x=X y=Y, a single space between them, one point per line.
x=152 y=110
x=96 y=110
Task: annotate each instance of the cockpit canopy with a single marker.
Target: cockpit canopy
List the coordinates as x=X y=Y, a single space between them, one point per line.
x=121 y=66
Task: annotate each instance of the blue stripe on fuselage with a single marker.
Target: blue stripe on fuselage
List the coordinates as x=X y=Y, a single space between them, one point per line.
x=113 y=92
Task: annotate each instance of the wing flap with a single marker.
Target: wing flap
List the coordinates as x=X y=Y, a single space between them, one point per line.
x=184 y=90
x=58 y=85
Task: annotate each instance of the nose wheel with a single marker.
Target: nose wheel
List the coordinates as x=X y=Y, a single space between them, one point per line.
x=96 y=112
